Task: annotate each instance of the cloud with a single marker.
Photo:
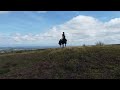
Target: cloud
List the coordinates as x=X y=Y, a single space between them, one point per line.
x=76 y=29
x=4 y=12
x=86 y=29
x=79 y=30
x=41 y=11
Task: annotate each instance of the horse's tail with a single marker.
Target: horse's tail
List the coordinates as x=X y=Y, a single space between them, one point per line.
x=60 y=41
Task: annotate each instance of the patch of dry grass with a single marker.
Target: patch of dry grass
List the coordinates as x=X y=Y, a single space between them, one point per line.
x=96 y=62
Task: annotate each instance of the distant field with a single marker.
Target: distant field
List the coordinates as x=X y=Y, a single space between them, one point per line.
x=93 y=62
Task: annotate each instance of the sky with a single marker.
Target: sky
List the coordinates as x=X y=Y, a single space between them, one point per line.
x=44 y=28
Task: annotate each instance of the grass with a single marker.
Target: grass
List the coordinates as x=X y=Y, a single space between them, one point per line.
x=95 y=62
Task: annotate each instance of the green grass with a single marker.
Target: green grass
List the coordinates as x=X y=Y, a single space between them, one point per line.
x=95 y=62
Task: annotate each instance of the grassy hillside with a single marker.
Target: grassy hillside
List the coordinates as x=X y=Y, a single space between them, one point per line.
x=96 y=62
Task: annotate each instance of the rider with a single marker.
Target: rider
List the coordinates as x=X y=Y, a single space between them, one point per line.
x=63 y=36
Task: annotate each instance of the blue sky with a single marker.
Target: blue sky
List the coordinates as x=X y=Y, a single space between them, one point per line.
x=42 y=28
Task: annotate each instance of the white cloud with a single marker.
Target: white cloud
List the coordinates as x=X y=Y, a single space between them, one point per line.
x=4 y=12
x=79 y=30
x=41 y=11
x=88 y=30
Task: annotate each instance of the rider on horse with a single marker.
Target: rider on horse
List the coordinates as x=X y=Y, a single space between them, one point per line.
x=63 y=40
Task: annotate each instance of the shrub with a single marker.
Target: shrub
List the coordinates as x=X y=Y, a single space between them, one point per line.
x=99 y=44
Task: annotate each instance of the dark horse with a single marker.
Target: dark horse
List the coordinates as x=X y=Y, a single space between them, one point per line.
x=62 y=42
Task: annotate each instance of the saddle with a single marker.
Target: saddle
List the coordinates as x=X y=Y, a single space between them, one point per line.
x=63 y=40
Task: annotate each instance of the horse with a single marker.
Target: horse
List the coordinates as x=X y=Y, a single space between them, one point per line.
x=62 y=42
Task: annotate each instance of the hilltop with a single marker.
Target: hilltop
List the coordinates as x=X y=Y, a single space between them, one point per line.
x=95 y=62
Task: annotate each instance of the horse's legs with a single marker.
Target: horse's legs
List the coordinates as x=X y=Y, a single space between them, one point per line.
x=63 y=45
